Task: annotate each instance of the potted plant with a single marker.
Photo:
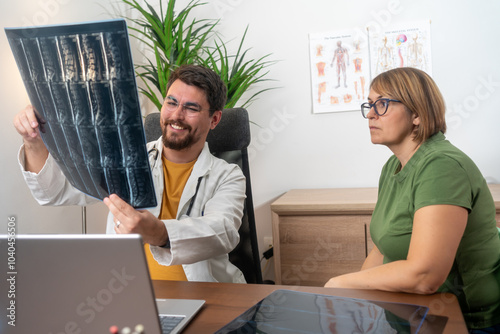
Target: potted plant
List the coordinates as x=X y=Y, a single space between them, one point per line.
x=173 y=40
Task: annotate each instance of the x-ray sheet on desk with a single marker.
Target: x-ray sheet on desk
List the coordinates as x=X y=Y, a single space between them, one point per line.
x=80 y=80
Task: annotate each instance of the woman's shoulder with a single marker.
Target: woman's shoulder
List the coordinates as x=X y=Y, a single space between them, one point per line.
x=446 y=153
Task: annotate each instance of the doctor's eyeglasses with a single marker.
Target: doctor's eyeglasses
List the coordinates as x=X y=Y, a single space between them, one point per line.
x=189 y=109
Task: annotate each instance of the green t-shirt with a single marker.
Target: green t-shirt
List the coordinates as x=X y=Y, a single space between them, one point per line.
x=439 y=173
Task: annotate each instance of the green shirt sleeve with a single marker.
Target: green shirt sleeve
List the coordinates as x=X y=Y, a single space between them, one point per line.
x=442 y=180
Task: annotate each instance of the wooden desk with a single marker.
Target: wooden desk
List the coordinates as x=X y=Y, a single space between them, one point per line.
x=321 y=233
x=225 y=301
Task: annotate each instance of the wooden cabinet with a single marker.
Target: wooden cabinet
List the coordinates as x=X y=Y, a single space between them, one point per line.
x=495 y=191
x=321 y=233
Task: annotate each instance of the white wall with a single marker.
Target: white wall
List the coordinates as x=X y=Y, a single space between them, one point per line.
x=291 y=147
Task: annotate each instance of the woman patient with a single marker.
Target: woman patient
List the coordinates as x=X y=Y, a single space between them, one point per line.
x=434 y=225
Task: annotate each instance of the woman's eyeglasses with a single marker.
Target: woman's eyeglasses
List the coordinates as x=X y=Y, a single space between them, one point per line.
x=380 y=106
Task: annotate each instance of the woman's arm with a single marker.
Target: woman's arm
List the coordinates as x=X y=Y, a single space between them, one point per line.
x=437 y=231
x=374 y=258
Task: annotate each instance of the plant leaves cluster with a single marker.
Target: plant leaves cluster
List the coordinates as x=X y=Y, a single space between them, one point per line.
x=174 y=40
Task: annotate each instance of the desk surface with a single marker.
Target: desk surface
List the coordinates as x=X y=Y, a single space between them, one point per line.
x=326 y=201
x=225 y=301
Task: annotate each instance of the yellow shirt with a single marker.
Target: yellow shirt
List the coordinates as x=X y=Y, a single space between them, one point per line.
x=175 y=177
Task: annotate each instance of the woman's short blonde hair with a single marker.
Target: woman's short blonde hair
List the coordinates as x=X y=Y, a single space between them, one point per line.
x=419 y=94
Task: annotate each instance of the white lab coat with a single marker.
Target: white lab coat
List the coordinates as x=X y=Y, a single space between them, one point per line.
x=200 y=242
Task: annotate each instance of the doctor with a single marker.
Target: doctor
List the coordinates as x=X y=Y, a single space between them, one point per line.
x=189 y=235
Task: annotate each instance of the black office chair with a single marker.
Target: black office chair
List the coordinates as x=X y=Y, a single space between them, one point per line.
x=229 y=141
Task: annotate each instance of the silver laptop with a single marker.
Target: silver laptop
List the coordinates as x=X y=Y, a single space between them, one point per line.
x=81 y=284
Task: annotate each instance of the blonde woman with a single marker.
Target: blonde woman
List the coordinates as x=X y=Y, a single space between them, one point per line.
x=434 y=225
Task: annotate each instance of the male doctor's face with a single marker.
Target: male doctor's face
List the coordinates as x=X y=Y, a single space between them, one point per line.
x=185 y=117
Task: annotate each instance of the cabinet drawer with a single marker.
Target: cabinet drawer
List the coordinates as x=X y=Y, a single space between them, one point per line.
x=315 y=248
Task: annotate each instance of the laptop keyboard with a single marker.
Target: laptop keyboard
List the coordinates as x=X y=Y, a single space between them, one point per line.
x=168 y=322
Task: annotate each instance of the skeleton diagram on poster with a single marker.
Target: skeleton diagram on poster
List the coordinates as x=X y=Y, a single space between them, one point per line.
x=339 y=70
x=401 y=46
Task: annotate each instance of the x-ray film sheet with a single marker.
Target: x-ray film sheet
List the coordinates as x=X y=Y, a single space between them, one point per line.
x=80 y=80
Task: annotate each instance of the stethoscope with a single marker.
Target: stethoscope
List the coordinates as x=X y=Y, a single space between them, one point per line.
x=156 y=152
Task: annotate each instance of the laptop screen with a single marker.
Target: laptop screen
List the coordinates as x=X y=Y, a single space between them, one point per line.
x=77 y=284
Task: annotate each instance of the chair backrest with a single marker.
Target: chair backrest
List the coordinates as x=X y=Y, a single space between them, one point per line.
x=229 y=141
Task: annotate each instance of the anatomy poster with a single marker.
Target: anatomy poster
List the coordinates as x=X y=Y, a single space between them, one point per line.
x=407 y=45
x=339 y=70
x=343 y=62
